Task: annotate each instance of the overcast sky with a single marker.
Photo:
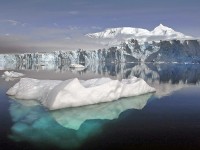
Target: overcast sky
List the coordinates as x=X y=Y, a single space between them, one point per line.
x=51 y=24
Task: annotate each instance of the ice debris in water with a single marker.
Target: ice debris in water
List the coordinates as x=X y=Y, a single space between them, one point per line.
x=55 y=94
x=12 y=74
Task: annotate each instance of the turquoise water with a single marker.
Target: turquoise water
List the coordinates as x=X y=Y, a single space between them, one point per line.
x=169 y=118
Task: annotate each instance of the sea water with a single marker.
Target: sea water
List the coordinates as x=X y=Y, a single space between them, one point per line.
x=166 y=119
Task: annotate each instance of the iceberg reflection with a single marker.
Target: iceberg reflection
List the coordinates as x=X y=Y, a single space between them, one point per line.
x=74 y=117
x=66 y=128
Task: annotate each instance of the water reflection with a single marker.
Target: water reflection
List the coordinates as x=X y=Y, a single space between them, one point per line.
x=66 y=128
x=174 y=73
x=166 y=78
x=69 y=128
x=74 y=117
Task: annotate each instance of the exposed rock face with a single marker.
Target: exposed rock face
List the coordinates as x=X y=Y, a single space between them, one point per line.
x=175 y=51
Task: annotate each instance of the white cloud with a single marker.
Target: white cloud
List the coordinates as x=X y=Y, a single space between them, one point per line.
x=7 y=34
x=24 y=24
x=55 y=24
x=96 y=27
x=13 y=22
x=50 y=38
x=72 y=28
x=67 y=38
x=73 y=12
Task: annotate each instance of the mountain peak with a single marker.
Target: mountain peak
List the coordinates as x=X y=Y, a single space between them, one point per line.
x=162 y=27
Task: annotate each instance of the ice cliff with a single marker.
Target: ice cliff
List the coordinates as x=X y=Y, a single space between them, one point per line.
x=128 y=51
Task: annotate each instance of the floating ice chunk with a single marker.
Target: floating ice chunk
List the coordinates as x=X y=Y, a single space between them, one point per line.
x=76 y=66
x=9 y=79
x=77 y=69
x=73 y=93
x=12 y=74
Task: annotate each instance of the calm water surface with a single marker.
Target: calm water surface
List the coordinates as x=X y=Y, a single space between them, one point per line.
x=169 y=118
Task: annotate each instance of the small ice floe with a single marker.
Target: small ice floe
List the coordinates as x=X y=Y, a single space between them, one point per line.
x=76 y=66
x=12 y=74
x=75 y=70
x=55 y=94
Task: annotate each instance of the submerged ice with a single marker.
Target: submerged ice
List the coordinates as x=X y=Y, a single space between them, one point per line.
x=55 y=94
x=66 y=128
x=74 y=117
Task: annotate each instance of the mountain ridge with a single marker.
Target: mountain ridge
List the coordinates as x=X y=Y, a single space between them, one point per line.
x=122 y=34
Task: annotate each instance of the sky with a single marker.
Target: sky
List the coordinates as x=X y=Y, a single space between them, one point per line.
x=52 y=24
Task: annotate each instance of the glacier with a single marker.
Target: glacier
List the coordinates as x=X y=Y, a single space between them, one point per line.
x=123 y=45
x=187 y=51
x=55 y=94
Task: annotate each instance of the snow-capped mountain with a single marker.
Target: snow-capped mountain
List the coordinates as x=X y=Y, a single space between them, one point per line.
x=115 y=32
x=162 y=30
x=114 y=36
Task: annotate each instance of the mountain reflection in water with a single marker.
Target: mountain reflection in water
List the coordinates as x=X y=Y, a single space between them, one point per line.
x=187 y=73
x=166 y=78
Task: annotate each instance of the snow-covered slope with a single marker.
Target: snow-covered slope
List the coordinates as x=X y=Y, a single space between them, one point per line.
x=164 y=30
x=117 y=35
x=114 y=32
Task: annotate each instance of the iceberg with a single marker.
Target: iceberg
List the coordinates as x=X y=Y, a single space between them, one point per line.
x=55 y=94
